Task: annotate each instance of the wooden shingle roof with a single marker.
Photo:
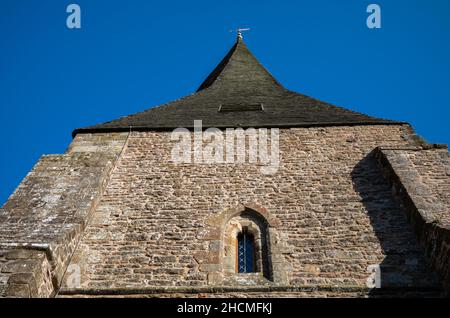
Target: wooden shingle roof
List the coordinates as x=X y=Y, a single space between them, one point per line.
x=239 y=92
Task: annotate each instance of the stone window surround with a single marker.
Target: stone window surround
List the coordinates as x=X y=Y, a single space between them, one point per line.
x=214 y=262
x=232 y=229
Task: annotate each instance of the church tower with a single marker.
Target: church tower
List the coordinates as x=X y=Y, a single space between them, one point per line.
x=243 y=188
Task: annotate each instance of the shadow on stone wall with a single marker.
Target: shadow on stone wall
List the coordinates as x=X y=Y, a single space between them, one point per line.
x=404 y=270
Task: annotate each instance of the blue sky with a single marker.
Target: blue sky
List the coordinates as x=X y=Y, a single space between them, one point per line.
x=132 y=55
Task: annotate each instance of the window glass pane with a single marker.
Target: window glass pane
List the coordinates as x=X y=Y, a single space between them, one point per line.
x=249 y=249
x=246 y=250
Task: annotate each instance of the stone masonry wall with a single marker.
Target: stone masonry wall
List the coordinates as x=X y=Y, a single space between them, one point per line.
x=338 y=223
x=41 y=223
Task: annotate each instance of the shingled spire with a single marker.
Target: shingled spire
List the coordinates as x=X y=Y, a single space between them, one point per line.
x=239 y=92
x=240 y=69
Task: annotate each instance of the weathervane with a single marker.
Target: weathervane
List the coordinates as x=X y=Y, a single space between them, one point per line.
x=239 y=31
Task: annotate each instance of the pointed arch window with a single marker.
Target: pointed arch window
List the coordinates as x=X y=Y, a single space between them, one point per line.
x=245 y=260
x=249 y=249
x=246 y=246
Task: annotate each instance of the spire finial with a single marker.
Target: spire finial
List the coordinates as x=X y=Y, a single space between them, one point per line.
x=239 y=32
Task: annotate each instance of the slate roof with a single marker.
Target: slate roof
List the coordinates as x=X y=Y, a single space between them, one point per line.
x=239 y=92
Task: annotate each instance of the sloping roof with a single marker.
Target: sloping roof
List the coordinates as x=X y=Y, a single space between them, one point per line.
x=239 y=92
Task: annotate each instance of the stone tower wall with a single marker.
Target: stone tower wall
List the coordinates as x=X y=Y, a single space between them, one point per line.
x=115 y=216
x=333 y=218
